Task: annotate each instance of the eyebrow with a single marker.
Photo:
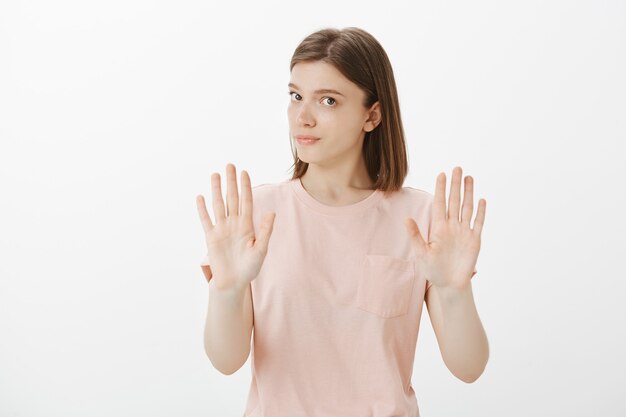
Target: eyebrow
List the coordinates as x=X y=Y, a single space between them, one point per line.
x=320 y=91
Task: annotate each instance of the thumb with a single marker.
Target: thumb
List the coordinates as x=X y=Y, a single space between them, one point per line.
x=265 y=231
x=414 y=233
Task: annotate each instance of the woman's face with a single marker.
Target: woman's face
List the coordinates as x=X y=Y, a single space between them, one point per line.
x=326 y=105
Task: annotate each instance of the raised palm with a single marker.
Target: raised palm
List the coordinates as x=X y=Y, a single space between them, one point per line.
x=236 y=254
x=448 y=258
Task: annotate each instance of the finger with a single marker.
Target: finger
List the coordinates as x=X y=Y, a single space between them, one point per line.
x=205 y=219
x=454 y=200
x=468 y=200
x=439 y=203
x=265 y=231
x=232 y=194
x=218 y=202
x=414 y=233
x=246 y=197
x=479 y=221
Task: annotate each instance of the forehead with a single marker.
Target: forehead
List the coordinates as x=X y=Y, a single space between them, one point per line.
x=311 y=76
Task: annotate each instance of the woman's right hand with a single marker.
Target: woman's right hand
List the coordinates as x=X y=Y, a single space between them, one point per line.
x=235 y=253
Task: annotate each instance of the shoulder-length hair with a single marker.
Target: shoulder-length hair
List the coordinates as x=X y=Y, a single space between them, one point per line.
x=362 y=60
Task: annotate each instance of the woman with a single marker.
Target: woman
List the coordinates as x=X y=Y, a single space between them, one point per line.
x=335 y=296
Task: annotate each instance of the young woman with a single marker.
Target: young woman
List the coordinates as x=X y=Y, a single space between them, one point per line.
x=333 y=278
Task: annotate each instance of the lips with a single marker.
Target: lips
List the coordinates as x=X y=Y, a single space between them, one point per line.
x=306 y=140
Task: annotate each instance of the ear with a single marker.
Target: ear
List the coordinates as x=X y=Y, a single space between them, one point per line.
x=374 y=117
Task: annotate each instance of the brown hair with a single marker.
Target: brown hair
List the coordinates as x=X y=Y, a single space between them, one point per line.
x=362 y=60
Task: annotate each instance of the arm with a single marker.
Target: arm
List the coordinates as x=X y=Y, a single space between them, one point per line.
x=447 y=258
x=236 y=254
x=460 y=334
x=228 y=328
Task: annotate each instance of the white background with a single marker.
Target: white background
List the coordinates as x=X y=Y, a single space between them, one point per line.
x=114 y=115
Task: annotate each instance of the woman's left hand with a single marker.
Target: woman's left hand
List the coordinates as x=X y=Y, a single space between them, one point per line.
x=449 y=258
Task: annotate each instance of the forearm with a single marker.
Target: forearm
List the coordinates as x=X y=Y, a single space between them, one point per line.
x=228 y=328
x=466 y=349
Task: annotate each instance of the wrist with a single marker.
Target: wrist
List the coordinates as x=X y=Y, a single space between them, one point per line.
x=450 y=293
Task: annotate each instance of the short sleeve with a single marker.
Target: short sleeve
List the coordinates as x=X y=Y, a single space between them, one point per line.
x=429 y=284
x=205 y=264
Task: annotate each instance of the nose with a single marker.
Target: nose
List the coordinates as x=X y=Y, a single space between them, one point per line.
x=304 y=116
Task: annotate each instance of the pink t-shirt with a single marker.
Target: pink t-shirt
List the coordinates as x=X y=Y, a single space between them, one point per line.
x=337 y=305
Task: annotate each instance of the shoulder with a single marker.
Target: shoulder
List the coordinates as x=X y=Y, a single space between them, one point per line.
x=412 y=196
x=269 y=194
x=410 y=202
x=269 y=189
x=263 y=189
x=417 y=193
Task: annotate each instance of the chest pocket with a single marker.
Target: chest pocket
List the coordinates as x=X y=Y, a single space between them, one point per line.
x=385 y=285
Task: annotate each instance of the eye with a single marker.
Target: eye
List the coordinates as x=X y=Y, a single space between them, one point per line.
x=291 y=93
x=330 y=98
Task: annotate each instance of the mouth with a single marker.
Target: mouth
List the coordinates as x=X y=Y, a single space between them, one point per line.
x=306 y=139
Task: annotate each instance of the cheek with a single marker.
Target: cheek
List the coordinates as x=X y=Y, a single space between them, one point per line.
x=348 y=122
x=327 y=118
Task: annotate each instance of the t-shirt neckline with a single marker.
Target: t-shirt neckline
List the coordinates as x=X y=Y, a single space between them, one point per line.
x=306 y=198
